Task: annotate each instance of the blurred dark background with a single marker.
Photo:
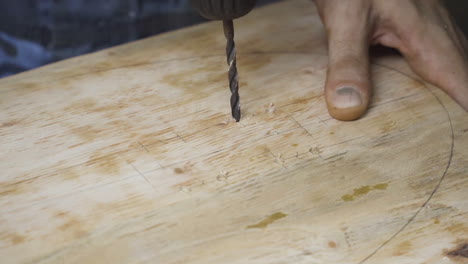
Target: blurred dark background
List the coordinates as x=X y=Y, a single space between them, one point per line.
x=37 y=32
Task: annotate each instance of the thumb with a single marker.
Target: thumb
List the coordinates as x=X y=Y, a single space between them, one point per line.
x=348 y=84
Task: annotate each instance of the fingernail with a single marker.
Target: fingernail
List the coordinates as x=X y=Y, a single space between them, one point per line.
x=347 y=97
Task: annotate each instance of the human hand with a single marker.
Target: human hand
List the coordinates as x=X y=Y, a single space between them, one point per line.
x=423 y=32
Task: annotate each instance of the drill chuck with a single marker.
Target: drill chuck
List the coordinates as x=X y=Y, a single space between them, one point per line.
x=223 y=9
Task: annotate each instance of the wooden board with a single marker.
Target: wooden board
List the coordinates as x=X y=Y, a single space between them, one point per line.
x=128 y=155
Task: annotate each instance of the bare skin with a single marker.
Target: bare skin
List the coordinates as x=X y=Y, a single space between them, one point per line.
x=422 y=30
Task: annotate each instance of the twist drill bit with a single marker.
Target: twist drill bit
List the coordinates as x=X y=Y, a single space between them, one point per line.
x=233 y=76
x=227 y=10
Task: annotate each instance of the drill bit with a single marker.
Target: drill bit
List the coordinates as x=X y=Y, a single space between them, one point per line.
x=232 y=71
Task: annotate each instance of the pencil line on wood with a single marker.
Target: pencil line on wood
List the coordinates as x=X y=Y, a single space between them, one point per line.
x=444 y=174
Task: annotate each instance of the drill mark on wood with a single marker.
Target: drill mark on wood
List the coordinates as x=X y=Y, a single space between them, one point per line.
x=243 y=144
x=278 y=158
x=436 y=188
x=346 y=237
x=185 y=189
x=242 y=125
x=226 y=121
x=271 y=109
x=222 y=176
x=316 y=151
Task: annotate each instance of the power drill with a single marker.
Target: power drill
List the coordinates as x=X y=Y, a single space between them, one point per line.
x=227 y=10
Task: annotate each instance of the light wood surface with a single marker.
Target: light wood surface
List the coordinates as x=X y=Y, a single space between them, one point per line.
x=128 y=155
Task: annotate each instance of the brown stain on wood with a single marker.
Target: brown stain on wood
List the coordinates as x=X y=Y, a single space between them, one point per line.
x=105 y=164
x=81 y=105
x=90 y=105
x=124 y=206
x=9 y=123
x=27 y=88
x=111 y=111
x=254 y=62
x=268 y=220
x=13 y=238
x=184 y=169
x=201 y=76
x=61 y=214
x=77 y=145
x=459 y=253
x=15 y=188
x=16 y=239
x=109 y=166
x=356 y=193
x=331 y=244
x=156 y=137
x=456 y=229
x=70 y=175
x=211 y=73
x=86 y=133
x=104 y=129
x=380 y=186
x=300 y=101
x=155 y=226
x=70 y=224
x=388 y=126
x=403 y=248
x=363 y=190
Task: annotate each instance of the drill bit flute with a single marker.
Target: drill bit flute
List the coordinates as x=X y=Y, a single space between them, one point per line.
x=227 y=10
x=232 y=70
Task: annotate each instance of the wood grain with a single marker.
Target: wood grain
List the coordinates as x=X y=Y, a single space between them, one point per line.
x=129 y=155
